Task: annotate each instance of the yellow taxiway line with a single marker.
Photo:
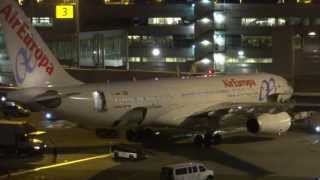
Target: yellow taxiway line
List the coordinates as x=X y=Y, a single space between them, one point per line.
x=56 y=165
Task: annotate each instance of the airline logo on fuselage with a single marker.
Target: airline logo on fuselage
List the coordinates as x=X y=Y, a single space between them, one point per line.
x=230 y=83
x=267 y=88
x=31 y=50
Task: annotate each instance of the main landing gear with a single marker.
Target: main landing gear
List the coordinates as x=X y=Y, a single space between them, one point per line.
x=139 y=135
x=207 y=139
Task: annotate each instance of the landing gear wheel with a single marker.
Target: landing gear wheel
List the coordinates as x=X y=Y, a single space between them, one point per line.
x=217 y=139
x=208 y=140
x=131 y=135
x=198 y=140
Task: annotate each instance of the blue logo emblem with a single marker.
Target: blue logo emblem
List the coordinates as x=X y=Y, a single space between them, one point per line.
x=23 y=65
x=268 y=87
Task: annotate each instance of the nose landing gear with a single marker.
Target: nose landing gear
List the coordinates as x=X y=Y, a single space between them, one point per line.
x=208 y=139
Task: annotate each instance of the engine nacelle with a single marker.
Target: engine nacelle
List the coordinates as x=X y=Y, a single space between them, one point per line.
x=269 y=123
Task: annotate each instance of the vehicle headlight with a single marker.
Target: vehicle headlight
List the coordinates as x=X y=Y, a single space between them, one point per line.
x=36 y=147
x=36 y=141
x=317 y=128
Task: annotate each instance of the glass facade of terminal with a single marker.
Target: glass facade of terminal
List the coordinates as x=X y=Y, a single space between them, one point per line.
x=219 y=34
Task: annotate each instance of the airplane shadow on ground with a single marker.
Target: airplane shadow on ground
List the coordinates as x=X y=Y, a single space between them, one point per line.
x=245 y=139
x=212 y=154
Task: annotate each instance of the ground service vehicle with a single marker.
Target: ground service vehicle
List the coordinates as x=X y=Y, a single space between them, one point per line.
x=186 y=171
x=124 y=151
x=19 y=137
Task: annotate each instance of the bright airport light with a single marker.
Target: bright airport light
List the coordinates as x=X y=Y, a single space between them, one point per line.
x=312 y=33
x=156 y=52
x=205 y=20
x=219 y=40
x=205 y=1
x=3 y=99
x=206 y=61
x=241 y=54
x=205 y=42
x=218 y=17
x=48 y=115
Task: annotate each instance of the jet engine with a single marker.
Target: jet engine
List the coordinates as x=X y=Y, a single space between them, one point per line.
x=269 y=123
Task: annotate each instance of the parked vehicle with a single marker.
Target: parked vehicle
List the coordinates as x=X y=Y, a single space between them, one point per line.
x=19 y=137
x=13 y=110
x=130 y=152
x=186 y=171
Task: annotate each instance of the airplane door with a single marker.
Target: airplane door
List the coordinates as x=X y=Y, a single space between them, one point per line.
x=99 y=101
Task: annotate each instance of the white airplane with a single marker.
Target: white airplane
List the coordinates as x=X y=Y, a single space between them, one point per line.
x=169 y=103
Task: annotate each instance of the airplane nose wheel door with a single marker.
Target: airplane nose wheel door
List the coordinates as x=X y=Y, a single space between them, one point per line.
x=99 y=101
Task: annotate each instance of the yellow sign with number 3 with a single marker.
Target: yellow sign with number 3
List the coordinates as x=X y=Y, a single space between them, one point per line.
x=64 y=12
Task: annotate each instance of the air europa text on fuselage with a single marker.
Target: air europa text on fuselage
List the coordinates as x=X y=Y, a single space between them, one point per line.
x=239 y=83
x=22 y=31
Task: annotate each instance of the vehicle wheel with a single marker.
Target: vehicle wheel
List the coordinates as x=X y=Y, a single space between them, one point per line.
x=131 y=158
x=198 y=140
x=209 y=178
x=116 y=156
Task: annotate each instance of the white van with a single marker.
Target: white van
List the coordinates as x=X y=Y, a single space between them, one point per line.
x=186 y=171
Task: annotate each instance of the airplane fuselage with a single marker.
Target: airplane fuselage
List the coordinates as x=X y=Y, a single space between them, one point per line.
x=158 y=97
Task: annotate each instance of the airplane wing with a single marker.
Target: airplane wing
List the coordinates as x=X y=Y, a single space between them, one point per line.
x=307 y=94
x=265 y=118
x=194 y=116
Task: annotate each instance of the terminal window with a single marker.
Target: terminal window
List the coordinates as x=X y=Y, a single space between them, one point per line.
x=164 y=21
x=267 y=21
x=42 y=21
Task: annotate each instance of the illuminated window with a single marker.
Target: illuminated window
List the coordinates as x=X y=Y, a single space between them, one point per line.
x=175 y=60
x=134 y=59
x=263 y=21
x=257 y=60
x=134 y=37
x=256 y=41
x=165 y=21
x=42 y=21
x=219 y=40
x=118 y=2
x=218 y=17
x=150 y=41
x=237 y=60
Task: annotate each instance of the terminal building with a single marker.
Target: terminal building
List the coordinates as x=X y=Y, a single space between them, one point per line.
x=228 y=36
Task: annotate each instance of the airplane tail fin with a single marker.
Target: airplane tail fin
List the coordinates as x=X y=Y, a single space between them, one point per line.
x=33 y=63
